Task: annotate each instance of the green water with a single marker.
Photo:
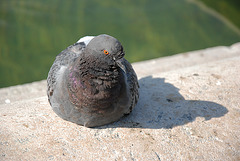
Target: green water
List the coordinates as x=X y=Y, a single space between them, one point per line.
x=32 y=33
x=229 y=8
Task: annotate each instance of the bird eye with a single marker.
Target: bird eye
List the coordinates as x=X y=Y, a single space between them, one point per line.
x=106 y=52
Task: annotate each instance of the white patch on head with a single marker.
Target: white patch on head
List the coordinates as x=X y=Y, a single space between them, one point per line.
x=85 y=39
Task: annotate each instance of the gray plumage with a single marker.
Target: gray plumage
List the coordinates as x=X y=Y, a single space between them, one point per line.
x=92 y=84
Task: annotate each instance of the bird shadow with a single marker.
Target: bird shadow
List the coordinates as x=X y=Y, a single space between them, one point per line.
x=160 y=105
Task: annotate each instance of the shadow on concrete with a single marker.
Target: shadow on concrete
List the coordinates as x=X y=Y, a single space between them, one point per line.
x=162 y=106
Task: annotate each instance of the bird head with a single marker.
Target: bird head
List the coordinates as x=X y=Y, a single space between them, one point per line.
x=105 y=47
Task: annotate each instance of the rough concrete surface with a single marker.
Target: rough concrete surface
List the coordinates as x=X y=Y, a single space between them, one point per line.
x=189 y=109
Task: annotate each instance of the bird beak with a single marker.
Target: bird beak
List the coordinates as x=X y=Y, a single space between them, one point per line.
x=120 y=55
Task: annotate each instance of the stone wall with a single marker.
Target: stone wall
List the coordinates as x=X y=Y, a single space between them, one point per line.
x=189 y=109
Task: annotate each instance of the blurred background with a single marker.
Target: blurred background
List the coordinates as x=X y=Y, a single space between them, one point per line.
x=32 y=33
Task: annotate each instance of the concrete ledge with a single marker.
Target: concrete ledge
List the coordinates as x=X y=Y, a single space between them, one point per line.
x=189 y=109
x=187 y=59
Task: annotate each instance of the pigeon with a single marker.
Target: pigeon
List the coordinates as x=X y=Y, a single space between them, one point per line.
x=91 y=83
